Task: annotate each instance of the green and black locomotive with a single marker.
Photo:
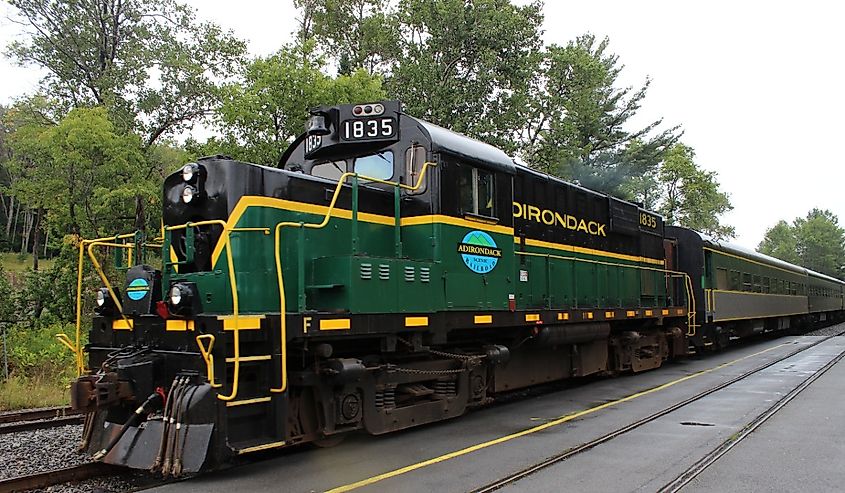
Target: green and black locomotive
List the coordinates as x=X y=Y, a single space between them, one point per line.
x=387 y=273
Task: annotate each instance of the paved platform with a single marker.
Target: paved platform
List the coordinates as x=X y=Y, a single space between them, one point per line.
x=801 y=448
x=469 y=452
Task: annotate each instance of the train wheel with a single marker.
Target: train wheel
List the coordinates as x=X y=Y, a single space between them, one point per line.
x=330 y=441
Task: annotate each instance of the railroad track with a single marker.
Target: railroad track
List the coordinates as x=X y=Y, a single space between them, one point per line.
x=36 y=419
x=681 y=480
x=46 y=479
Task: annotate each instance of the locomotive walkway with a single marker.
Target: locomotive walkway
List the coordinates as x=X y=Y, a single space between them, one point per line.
x=798 y=449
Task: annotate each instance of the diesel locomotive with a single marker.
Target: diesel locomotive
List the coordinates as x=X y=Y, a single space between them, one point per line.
x=388 y=273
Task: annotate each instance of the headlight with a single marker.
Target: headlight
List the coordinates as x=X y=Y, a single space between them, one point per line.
x=183 y=299
x=188 y=194
x=102 y=296
x=189 y=171
x=175 y=295
x=105 y=303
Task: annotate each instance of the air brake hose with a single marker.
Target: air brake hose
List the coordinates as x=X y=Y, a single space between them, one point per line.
x=168 y=403
x=153 y=399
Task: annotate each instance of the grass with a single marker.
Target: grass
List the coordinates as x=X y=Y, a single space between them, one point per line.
x=14 y=262
x=24 y=393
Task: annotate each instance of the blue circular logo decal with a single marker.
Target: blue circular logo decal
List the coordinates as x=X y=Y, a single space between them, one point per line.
x=137 y=289
x=479 y=252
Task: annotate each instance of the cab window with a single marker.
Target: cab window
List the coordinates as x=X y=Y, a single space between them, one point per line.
x=414 y=161
x=378 y=165
x=331 y=170
x=477 y=191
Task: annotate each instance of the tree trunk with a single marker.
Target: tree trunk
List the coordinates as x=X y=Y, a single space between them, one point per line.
x=36 y=238
x=3 y=203
x=27 y=230
x=140 y=223
x=9 y=219
x=15 y=227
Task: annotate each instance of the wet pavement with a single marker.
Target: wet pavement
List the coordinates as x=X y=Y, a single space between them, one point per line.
x=476 y=449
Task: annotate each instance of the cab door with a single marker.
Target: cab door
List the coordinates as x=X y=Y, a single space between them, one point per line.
x=476 y=235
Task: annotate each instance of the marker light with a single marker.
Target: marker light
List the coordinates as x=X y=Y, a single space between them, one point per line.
x=368 y=109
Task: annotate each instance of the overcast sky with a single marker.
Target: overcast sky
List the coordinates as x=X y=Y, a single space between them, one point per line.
x=757 y=86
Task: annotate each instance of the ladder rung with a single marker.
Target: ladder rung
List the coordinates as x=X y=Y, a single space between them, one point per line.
x=246 y=402
x=245 y=359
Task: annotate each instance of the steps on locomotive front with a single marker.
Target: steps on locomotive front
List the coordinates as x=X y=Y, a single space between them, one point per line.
x=256 y=415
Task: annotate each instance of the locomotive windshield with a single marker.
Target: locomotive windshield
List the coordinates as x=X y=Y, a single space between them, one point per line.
x=377 y=165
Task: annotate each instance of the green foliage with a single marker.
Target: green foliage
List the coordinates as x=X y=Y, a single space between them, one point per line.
x=577 y=116
x=815 y=241
x=22 y=392
x=33 y=350
x=780 y=242
x=82 y=171
x=152 y=64
x=40 y=367
x=6 y=295
x=464 y=65
x=359 y=34
x=262 y=115
x=690 y=196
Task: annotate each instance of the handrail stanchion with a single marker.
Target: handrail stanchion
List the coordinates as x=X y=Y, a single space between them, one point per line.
x=301 y=263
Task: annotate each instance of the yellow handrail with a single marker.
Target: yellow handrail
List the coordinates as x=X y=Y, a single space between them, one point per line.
x=208 y=357
x=234 y=289
x=103 y=277
x=277 y=244
x=77 y=349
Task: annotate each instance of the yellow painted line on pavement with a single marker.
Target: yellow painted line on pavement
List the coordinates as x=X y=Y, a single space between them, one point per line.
x=529 y=431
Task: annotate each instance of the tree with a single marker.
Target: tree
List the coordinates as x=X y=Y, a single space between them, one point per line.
x=780 y=242
x=460 y=64
x=81 y=172
x=262 y=115
x=151 y=63
x=816 y=242
x=464 y=65
x=688 y=195
x=576 y=119
x=358 y=34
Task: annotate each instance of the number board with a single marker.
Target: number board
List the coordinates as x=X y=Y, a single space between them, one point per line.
x=312 y=143
x=362 y=129
x=650 y=223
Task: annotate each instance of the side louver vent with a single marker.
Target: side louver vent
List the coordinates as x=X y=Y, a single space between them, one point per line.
x=384 y=272
x=409 y=273
x=425 y=274
x=366 y=271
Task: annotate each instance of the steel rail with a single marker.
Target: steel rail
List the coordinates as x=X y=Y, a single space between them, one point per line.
x=46 y=479
x=562 y=456
x=41 y=424
x=36 y=414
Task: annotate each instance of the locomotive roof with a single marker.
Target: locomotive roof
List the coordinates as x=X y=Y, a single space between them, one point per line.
x=466 y=147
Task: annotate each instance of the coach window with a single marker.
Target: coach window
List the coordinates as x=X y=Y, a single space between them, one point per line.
x=414 y=162
x=378 y=165
x=746 y=282
x=735 y=280
x=476 y=191
x=722 y=279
